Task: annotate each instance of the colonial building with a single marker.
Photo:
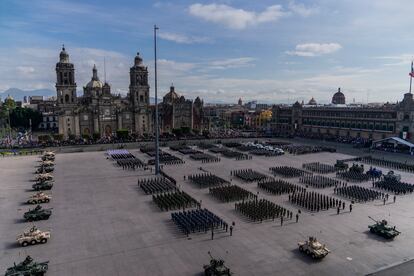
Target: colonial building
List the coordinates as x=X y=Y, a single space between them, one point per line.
x=176 y=112
x=338 y=119
x=98 y=111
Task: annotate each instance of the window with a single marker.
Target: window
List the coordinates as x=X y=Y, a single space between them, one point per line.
x=66 y=98
x=85 y=117
x=141 y=98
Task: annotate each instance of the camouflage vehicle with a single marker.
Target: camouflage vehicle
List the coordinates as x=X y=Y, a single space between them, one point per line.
x=37 y=213
x=341 y=165
x=44 y=177
x=356 y=168
x=381 y=228
x=28 y=268
x=216 y=268
x=47 y=164
x=39 y=197
x=313 y=248
x=48 y=157
x=33 y=236
x=42 y=185
x=45 y=169
x=391 y=176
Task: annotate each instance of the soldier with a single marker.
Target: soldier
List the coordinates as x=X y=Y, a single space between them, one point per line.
x=350 y=208
x=395 y=197
x=337 y=210
x=281 y=221
x=231 y=230
x=297 y=218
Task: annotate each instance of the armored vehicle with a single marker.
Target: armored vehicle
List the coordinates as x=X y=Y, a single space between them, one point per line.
x=44 y=177
x=356 y=168
x=374 y=172
x=45 y=169
x=341 y=165
x=28 y=268
x=37 y=213
x=391 y=176
x=47 y=164
x=381 y=228
x=313 y=248
x=39 y=197
x=216 y=268
x=40 y=186
x=33 y=236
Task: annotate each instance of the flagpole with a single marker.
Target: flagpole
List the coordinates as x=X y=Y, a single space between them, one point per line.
x=411 y=75
x=157 y=158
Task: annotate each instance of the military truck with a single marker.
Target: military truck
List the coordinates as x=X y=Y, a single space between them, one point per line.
x=216 y=268
x=42 y=185
x=313 y=248
x=37 y=213
x=28 y=268
x=33 y=236
x=39 y=197
x=381 y=228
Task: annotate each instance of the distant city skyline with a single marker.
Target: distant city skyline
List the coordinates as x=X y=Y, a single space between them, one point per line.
x=272 y=51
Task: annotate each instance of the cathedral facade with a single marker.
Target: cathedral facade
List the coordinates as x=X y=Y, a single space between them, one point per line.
x=98 y=112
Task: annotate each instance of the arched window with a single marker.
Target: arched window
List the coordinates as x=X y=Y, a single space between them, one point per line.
x=66 y=98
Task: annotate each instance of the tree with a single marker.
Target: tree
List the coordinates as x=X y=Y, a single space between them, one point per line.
x=20 y=117
x=122 y=133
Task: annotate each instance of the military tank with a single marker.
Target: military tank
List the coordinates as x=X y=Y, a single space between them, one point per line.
x=381 y=228
x=39 y=197
x=216 y=268
x=47 y=164
x=33 y=236
x=28 y=268
x=356 y=168
x=341 y=165
x=42 y=185
x=37 y=213
x=313 y=248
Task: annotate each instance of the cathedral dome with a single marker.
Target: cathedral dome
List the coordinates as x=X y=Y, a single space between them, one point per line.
x=338 y=97
x=171 y=96
x=95 y=82
x=312 y=102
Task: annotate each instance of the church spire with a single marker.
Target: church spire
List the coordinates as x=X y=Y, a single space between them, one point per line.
x=95 y=73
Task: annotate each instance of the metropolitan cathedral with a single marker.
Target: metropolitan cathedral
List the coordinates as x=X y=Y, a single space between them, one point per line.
x=102 y=113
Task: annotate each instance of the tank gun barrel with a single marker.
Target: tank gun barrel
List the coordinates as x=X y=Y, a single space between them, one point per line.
x=373 y=219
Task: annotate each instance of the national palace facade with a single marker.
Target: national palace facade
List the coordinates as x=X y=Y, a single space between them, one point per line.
x=341 y=120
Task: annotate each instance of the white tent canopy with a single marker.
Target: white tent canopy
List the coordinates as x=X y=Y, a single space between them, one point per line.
x=395 y=142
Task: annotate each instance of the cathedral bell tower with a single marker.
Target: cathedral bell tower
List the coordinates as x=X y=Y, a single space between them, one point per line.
x=65 y=81
x=139 y=96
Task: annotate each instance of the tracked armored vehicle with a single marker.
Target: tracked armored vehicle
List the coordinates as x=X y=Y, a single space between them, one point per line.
x=381 y=228
x=391 y=176
x=44 y=177
x=33 y=236
x=341 y=165
x=37 y=213
x=45 y=169
x=216 y=268
x=28 y=268
x=313 y=248
x=39 y=197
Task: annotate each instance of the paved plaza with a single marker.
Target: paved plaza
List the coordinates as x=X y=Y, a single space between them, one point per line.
x=104 y=224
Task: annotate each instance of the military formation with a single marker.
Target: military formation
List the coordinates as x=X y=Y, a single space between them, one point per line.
x=205 y=180
x=320 y=181
x=358 y=194
x=205 y=158
x=387 y=163
x=174 y=200
x=262 y=209
x=313 y=201
x=317 y=167
x=33 y=236
x=229 y=193
x=278 y=186
x=394 y=186
x=125 y=159
x=198 y=220
x=156 y=185
x=248 y=175
x=290 y=172
x=354 y=174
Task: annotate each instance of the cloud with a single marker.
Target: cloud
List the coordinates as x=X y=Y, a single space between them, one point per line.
x=183 y=39
x=301 y=9
x=231 y=63
x=236 y=18
x=397 y=60
x=314 y=49
x=25 y=69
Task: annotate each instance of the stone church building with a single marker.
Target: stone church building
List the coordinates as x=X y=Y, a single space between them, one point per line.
x=101 y=113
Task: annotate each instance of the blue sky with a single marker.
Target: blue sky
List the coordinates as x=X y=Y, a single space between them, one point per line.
x=270 y=51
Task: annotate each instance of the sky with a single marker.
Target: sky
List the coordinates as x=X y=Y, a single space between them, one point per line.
x=275 y=51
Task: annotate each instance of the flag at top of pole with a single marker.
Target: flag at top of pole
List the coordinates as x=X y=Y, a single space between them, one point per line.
x=412 y=70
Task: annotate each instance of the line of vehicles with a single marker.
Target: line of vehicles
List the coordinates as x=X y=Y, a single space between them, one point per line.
x=265 y=147
x=33 y=235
